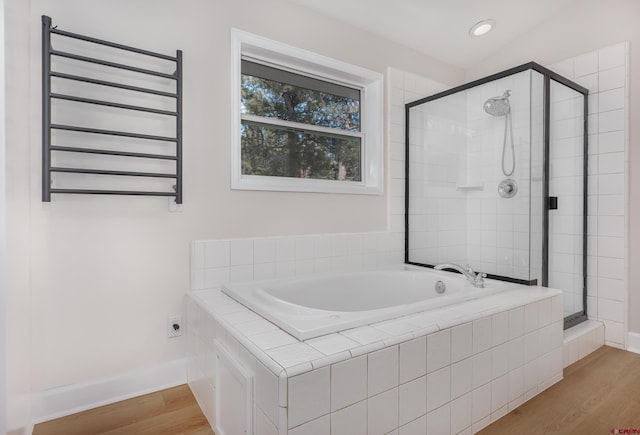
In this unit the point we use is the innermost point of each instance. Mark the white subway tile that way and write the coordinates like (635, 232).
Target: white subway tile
(285, 249)
(610, 142)
(264, 251)
(382, 412)
(332, 343)
(264, 426)
(338, 246)
(304, 248)
(366, 335)
(614, 333)
(481, 335)
(309, 396)
(499, 328)
(304, 267)
(351, 420)
(461, 413)
(611, 121)
(285, 269)
(611, 205)
(412, 400)
(612, 289)
(322, 246)
(264, 271)
(611, 247)
(439, 350)
(611, 57)
(516, 353)
(216, 277)
(216, 253)
(241, 273)
(481, 406)
(348, 382)
(438, 388)
(499, 392)
(271, 339)
(413, 359)
(416, 427)
(320, 426)
(611, 79)
(293, 354)
(267, 392)
(499, 360)
(461, 342)
(611, 184)
(382, 370)
(516, 322)
(610, 226)
(241, 252)
(439, 421)
(611, 310)
(461, 377)
(611, 100)
(586, 64)
(531, 317)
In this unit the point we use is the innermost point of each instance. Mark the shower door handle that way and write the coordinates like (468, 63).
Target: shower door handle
(553, 203)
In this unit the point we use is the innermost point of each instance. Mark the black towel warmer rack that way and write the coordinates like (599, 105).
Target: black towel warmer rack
(48, 126)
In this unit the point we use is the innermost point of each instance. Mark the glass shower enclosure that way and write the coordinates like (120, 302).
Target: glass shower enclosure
(496, 178)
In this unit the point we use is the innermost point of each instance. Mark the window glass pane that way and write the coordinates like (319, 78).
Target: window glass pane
(272, 99)
(276, 151)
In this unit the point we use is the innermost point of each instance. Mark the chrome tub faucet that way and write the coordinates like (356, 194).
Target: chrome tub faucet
(476, 279)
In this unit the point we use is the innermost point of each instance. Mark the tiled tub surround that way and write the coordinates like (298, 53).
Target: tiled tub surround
(214, 262)
(449, 371)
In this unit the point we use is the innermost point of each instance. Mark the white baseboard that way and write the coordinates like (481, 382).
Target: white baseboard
(62, 401)
(634, 342)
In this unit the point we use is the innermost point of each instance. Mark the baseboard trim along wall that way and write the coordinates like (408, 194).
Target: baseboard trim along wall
(634, 342)
(69, 399)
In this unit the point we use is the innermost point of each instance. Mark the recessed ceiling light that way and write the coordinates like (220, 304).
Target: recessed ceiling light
(482, 27)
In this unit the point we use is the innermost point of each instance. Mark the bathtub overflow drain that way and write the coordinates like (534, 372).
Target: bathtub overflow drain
(440, 287)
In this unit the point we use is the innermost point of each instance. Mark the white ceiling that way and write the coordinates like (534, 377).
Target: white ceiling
(439, 28)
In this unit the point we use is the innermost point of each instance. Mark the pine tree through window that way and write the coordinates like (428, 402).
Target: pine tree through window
(297, 126)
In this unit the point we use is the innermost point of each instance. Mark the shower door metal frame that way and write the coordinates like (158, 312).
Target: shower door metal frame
(548, 75)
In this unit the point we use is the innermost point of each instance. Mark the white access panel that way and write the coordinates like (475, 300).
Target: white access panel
(234, 394)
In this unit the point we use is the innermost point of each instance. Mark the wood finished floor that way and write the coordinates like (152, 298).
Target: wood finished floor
(598, 393)
(168, 412)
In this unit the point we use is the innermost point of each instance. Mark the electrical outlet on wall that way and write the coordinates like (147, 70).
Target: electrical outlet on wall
(174, 326)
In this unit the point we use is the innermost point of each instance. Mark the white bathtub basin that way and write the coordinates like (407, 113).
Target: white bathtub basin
(309, 307)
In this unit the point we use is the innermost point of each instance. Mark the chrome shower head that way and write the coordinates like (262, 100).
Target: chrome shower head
(498, 106)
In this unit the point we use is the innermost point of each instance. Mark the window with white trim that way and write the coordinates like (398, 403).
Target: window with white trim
(303, 122)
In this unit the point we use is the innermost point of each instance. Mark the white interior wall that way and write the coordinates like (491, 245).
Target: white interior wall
(581, 27)
(3, 239)
(93, 279)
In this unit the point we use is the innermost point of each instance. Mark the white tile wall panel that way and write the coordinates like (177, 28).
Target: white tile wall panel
(348, 382)
(309, 396)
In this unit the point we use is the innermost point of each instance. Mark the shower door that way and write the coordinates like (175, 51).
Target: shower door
(496, 179)
(567, 215)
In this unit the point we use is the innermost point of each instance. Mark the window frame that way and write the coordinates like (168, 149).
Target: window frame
(282, 56)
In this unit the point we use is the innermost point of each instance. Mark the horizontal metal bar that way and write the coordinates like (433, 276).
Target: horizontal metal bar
(111, 192)
(112, 132)
(112, 104)
(105, 172)
(112, 44)
(281, 124)
(112, 64)
(112, 84)
(111, 152)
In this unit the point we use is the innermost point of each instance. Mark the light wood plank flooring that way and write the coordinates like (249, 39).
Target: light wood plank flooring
(168, 412)
(598, 393)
